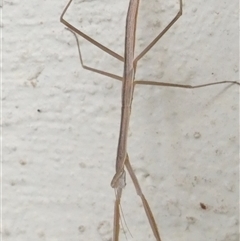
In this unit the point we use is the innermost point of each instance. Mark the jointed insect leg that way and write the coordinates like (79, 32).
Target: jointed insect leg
(143, 82)
(113, 76)
(144, 201)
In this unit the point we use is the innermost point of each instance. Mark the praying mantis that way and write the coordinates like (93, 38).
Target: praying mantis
(130, 61)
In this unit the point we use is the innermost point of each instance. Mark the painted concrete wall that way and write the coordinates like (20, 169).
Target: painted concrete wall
(61, 122)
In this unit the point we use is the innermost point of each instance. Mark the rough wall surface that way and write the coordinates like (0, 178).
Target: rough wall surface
(61, 122)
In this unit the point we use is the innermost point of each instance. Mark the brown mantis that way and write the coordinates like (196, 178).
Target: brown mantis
(128, 83)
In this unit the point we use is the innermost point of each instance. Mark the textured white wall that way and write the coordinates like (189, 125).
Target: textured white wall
(61, 122)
